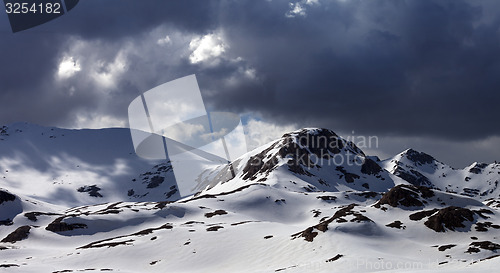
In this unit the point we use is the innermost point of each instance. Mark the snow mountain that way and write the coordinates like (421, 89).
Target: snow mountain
(479, 180)
(81, 201)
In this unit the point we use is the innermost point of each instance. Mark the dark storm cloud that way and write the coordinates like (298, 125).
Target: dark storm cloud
(385, 67)
(30, 59)
(113, 19)
(27, 72)
(402, 68)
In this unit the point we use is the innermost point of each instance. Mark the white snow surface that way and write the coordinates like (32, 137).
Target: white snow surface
(242, 225)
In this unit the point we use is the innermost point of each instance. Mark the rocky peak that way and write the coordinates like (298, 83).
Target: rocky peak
(405, 196)
(477, 168)
(419, 158)
(301, 150)
(5, 197)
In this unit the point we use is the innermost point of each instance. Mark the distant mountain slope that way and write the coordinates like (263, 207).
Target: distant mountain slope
(79, 167)
(479, 180)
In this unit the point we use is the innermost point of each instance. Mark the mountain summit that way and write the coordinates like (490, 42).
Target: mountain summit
(420, 169)
(315, 159)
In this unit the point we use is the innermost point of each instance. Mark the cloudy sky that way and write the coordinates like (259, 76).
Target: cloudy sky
(421, 74)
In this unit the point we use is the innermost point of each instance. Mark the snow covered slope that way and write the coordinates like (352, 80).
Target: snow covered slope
(79, 167)
(307, 202)
(477, 180)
